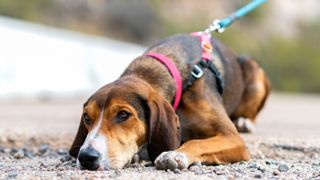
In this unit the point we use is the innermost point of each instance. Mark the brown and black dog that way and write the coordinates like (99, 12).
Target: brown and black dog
(135, 110)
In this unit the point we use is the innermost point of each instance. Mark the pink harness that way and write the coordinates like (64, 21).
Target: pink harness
(206, 46)
(174, 71)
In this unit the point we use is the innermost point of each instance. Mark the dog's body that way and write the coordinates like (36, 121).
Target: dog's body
(203, 122)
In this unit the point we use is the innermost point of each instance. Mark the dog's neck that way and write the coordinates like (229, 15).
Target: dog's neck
(154, 73)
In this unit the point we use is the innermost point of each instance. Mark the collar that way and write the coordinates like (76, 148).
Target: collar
(172, 68)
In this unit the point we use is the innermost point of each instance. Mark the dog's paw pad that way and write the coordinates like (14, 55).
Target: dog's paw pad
(245, 125)
(171, 160)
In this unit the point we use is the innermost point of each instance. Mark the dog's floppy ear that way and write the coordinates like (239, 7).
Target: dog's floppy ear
(164, 127)
(79, 139)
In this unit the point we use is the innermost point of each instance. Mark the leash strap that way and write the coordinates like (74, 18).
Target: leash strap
(220, 25)
(174, 73)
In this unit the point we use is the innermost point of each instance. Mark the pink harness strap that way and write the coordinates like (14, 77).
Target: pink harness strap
(206, 46)
(174, 73)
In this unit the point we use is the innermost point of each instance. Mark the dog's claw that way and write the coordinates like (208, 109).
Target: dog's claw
(171, 160)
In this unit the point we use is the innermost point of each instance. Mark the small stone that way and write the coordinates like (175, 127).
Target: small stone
(198, 172)
(283, 168)
(276, 172)
(43, 148)
(62, 151)
(269, 162)
(177, 171)
(261, 169)
(117, 172)
(14, 150)
(19, 154)
(66, 158)
(112, 176)
(242, 162)
(313, 155)
(10, 140)
(257, 176)
(220, 173)
(7, 150)
(1, 149)
(28, 153)
(253, 165)
(12, 174)
(193, 168)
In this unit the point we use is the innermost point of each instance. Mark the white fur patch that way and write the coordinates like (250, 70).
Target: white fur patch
(96, 140)
(171, 160)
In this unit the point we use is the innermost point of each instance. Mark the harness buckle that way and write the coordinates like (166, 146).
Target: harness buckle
(215, 26)
(197, 72)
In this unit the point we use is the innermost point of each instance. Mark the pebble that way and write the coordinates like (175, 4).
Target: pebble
(177, 171)
(257, 176)
(19, 154)
(43, 148)
(66, 158)
(7, 150)
(198, 172)
(194, 168)
(1, 149)
(269, 162)
(12, 174)
(313, 155)
(220, 173)
(28, 154)
(261, 169)
(14, 150)
(115, 174)
(276, 172)
(283, 168)
(10, 140)
(253, 165)
(62, 151)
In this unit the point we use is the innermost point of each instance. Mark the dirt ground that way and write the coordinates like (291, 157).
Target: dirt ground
(35, 136)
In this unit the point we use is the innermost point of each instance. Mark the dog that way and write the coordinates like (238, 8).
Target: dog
(218, 100)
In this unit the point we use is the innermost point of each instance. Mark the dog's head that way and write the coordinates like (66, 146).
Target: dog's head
(120, 118)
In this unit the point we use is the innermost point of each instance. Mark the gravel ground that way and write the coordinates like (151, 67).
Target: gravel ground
(284, 146)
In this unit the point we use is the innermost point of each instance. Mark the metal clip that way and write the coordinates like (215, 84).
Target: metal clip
(214, 26)
(197, 72)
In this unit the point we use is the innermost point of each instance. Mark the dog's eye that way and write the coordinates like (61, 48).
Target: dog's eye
(86, 119)
(122, 116)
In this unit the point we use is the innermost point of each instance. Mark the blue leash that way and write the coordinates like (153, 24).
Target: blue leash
(220, 25)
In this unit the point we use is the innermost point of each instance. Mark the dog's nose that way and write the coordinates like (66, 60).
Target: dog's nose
(89, 158)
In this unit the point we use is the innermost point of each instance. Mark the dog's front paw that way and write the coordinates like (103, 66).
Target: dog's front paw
(244, 125)
(171, 160)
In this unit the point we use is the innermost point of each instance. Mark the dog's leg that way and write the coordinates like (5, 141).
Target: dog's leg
(220, 149)
(214, 138)
(257, 87)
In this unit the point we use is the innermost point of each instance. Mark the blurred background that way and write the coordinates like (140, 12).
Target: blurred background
(71, 47)
(55, 53)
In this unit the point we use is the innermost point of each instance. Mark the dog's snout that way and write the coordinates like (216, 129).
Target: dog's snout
(89, 158)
